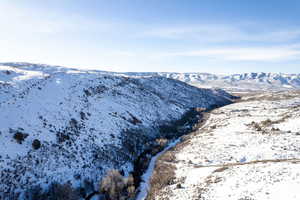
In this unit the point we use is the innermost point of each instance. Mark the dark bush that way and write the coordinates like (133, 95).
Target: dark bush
(20, 137)
(87, 92)
(73, 123)
(134, 120)
(36, 144)
(55, 191)
(62, 137)
(62, 192)
(82, 116)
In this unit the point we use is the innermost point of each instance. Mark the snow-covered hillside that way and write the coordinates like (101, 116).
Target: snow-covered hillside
(60, 124)
(249, 150)
(237, 82)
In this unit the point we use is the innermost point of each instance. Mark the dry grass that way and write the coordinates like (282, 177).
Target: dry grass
(163, 176)
(274, 96)
(221, 169)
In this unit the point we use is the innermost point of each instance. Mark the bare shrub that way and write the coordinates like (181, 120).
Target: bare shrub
(267, 122)
(275, 129)
(213, 126)
(161, 142)
(116, 187)
(255, 125)
(130, 186)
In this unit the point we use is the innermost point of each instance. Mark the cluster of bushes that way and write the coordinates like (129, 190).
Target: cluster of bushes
(56, 191)
(20, 137)
(95, 90)
(113, 186)
(183, 125)
(263, 124)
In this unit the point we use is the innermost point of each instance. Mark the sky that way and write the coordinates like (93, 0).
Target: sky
(215, 36)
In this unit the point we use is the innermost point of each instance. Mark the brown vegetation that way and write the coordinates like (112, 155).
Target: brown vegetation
(163, 175)
(116, 187)
(20, 137)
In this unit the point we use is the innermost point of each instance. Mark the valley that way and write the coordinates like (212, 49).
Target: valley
(149, 100)
(73, 134)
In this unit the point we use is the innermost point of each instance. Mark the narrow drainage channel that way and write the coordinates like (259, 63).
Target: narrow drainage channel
(145, 179)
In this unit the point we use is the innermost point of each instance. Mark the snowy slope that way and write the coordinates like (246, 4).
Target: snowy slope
(85, 121)
(237, 82)
(247, 150)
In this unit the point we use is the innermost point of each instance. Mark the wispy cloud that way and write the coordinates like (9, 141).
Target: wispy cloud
(25, 21)
(64, 37)
(274, 53)
(232, 42)
(223, 33)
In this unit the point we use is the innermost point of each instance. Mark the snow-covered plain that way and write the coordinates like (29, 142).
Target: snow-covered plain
(86, 122)
(246, 151)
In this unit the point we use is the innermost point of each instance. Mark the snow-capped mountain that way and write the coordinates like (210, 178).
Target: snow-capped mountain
(237, 82)
(67, 125)
(246, 81)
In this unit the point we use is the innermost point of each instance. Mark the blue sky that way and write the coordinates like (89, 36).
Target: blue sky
(218, 36)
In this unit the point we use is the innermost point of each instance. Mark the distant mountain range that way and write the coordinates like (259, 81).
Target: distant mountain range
(235, 82)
